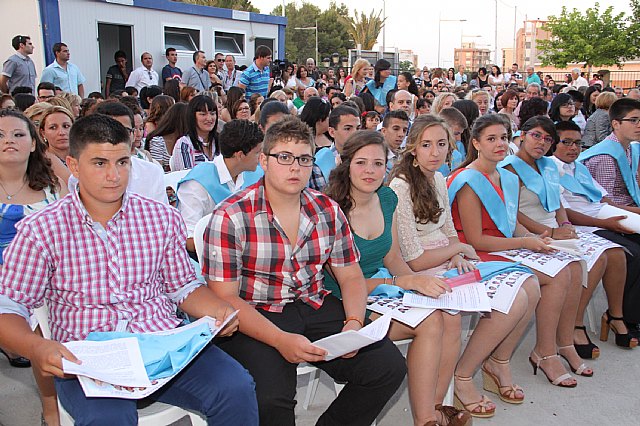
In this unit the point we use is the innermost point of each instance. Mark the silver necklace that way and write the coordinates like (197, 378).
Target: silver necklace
(10, 196)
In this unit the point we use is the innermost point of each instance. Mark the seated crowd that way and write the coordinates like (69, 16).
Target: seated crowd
(316, 190)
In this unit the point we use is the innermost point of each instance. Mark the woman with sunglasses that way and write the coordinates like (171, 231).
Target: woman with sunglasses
(541, 211)
(489, 222)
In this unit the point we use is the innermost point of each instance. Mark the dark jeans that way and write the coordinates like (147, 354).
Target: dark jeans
(372, 376)
(214, 384)
(631, 300)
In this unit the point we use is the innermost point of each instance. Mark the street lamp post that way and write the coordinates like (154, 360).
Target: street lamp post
(316, 30)
(440, 21)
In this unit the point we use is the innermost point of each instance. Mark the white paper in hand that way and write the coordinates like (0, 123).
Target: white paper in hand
(348, 341)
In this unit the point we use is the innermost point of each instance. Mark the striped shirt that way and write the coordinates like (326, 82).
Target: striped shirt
(245, 243)
(256, 81)
(134, 271)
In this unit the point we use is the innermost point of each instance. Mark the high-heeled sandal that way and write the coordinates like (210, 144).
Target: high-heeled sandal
(622, 340)
(587, 350)
(581, 369)
(452, 416)
(558, 380)
(491, 383)
(18, 362)
(478, 409)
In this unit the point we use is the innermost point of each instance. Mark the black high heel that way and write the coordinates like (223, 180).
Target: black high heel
(588, 350)
(18, 362)
(622, 340)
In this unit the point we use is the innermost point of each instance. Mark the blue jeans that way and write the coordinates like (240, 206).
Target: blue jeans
(214, 384)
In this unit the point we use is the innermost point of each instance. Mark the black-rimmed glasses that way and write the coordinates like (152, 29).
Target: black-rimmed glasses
(287, 159)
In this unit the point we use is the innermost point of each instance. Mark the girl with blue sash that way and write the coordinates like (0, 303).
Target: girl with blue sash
(357, 186)
(488, 221)
(381, 84)
(428, 242)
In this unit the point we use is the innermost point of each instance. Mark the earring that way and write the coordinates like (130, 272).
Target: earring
(415, 162)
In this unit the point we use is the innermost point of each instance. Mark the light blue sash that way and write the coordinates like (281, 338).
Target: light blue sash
(380, 93)
(503, 213)
(462, 149)
(581, 183)
(456, 159)
(326, 160)
(386, 290)
(163, 355)
(546, 184)
(249, 178)
(629, 172)
(490, 269)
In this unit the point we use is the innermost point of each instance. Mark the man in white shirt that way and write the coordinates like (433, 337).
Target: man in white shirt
(209, 183)
(513, 76)
(577, 80)
(585, 199)
(230, 76)
(144, 75)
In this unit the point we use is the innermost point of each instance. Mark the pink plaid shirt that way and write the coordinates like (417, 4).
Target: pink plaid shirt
(134, 272)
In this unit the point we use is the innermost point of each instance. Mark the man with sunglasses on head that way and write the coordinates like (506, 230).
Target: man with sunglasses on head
(144, 75)
(265, 252)
(586, 198)
(19, 70)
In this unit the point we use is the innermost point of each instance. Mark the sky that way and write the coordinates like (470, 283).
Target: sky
(413, 24)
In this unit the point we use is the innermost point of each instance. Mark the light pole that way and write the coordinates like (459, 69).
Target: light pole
(440, 21)
(316, 30)
(384, 17)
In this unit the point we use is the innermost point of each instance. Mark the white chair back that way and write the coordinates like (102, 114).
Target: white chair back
(198, 236)
(172, 178)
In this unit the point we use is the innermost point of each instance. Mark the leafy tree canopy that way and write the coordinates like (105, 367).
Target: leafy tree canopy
(244, 5)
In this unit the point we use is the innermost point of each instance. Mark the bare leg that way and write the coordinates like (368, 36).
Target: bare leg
(48, 395)
(613, 282)
(423, 361)
(450, 352)
(553, 293)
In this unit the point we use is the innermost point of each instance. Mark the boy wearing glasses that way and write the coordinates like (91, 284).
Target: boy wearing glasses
(265, 251)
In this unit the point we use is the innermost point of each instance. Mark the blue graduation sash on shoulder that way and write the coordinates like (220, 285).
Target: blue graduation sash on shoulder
(380, 93)
(629, 172)
(462, 149)
(546, 184)
(581, 183)
(249, 178)
(326, 160)
(206, 174)
(456, 159)
(503, 213)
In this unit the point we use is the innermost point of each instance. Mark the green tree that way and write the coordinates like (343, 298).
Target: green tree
(593, 37)
(332, 33)
(405, 66)
(244, 5)
(364, 29)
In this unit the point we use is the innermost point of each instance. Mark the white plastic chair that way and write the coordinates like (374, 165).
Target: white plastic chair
(198, 235)
(155, 414)
(172, 178)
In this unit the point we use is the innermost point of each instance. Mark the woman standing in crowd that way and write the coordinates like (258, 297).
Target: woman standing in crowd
(510, 102)
(406, 82)
(240, 110)
(357, 186)
(28, 184)
(316, 115)
(562, 108)
(599, 125)
(304, 80)
(489, 223)
(450, 79)
(483, 78)
(482, 100)
(171, 127)
(55, 124)
(212, 69)
(381, 84)
(355, 82)
(254, 103)
(159, 106)
(200, 144)
(233, 95)
(342, 76)
(442, 101)
(496, 78)
(590, 96)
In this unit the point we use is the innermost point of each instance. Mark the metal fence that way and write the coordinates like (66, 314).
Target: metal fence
(625, 79)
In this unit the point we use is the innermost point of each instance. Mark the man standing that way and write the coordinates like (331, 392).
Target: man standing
(532, 77)
(197, 76)
(230, 75)
(257, 78)
(461, 77)
(118, 74)
(577, 80)
(513, 76)
(139, 294)
(19, 70)
(265, 251)
(312, 71)
(63, 73)
(144, 75)
(171, 71)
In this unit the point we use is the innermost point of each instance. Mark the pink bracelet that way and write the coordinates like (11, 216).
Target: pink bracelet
(565, 223)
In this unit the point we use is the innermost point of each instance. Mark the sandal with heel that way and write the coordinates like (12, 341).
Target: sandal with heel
(491, 383)
(581, 369)
(558, 380)
(623, 340)
(588, 350)
(480, 409)
(452, 416)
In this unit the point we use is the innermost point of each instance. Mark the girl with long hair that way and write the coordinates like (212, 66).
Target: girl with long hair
(200, 144)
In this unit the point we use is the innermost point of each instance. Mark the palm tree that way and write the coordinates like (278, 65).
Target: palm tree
(364, 29)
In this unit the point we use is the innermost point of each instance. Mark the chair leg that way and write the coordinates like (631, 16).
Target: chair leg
(312, 387)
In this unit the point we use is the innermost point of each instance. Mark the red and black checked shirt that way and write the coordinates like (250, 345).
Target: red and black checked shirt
(135, 270)
(245, 243)
(604, 169)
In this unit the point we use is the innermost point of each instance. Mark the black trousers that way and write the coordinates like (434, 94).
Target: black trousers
(631, 300)
(372, 376)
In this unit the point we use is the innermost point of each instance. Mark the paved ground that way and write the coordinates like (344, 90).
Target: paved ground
(611, 397)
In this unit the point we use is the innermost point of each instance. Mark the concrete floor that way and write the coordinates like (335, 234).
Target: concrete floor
(611, 397)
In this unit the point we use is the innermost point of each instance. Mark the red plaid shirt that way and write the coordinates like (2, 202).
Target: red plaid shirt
(244, 242)
(135, 270)
(604, 170)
